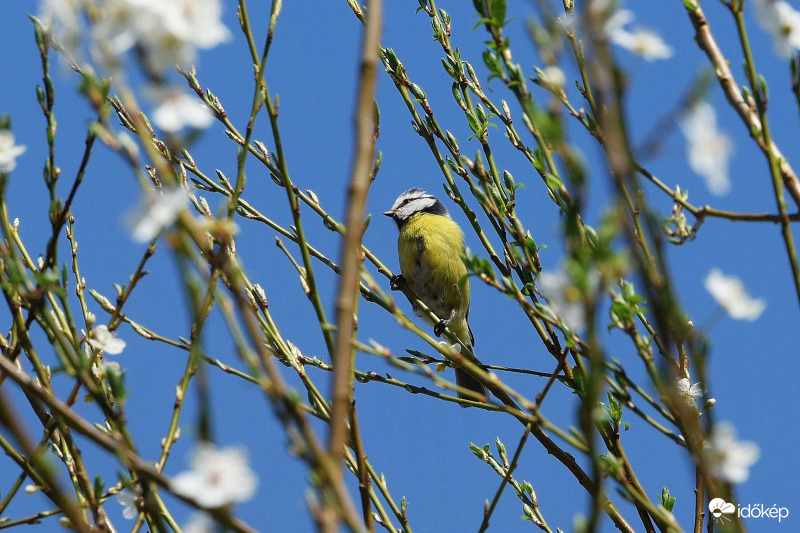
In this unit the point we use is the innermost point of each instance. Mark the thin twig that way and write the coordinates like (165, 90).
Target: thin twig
(360, 178)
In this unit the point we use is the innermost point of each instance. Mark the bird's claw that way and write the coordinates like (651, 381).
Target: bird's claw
(438, 329)
(395, 282)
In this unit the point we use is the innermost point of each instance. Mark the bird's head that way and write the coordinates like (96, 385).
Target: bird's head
(415, 201)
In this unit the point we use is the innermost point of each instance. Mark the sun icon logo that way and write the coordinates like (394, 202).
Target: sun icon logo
(719, 508)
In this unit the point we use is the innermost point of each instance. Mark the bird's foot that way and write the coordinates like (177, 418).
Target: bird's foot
(396, 281)
(438, 329)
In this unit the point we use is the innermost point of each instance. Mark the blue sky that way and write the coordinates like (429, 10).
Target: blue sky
(421, 445)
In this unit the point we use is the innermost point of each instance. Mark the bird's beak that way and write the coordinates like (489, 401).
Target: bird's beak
(389, 213)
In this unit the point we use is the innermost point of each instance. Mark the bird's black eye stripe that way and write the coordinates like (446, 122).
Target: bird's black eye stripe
(413, 198)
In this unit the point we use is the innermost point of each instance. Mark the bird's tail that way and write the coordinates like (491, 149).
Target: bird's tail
(464, 380)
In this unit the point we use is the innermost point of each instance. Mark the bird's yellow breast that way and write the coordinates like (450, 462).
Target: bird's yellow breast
(430, 248)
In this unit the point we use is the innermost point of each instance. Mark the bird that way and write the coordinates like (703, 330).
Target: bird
(430, 246)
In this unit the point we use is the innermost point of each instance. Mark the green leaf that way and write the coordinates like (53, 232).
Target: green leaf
(99, 487)
(515, 74)
(553, 181)
(501, 448)
(667, 501)
(457, 95)
(480, 112)
(474, 125)
(530, 244)
(481, 22)
(47, 279)
(449, 68)
(614, 409)
(481, 453)
(528, 289)
(508, 179)
(620, 310)
(391, 59)
(508, 284)
(528, 510)
(116, 381)
(763, 88)
(527, 488)
(102, 300)
(549, 125)
(611, 464)
(497, 200)
(452, 140)
(498, 9)
(493, 63)
(452, 164)
(417, 91)
(438, 30)
(578, 381)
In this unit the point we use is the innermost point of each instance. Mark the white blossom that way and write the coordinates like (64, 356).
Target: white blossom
(455, 347)
(783, 22)
(199, 523)
(730, 293)
(177, 109)
(167, 32)
(102, 369)
(564, 298)
(128, 146)
(613, 25)
(156, 212)
(554, 76)
(9, 152)
(183, 27)
(708, 149)
(194, 22)
(690, 392)
(62, 18)
(127, 500)
(103, 339)
(441, 367)
(217, 477)
(642, 41)
(118, 27)
(729, 459)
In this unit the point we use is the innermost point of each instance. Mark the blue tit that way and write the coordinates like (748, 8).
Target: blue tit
(430, 247)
